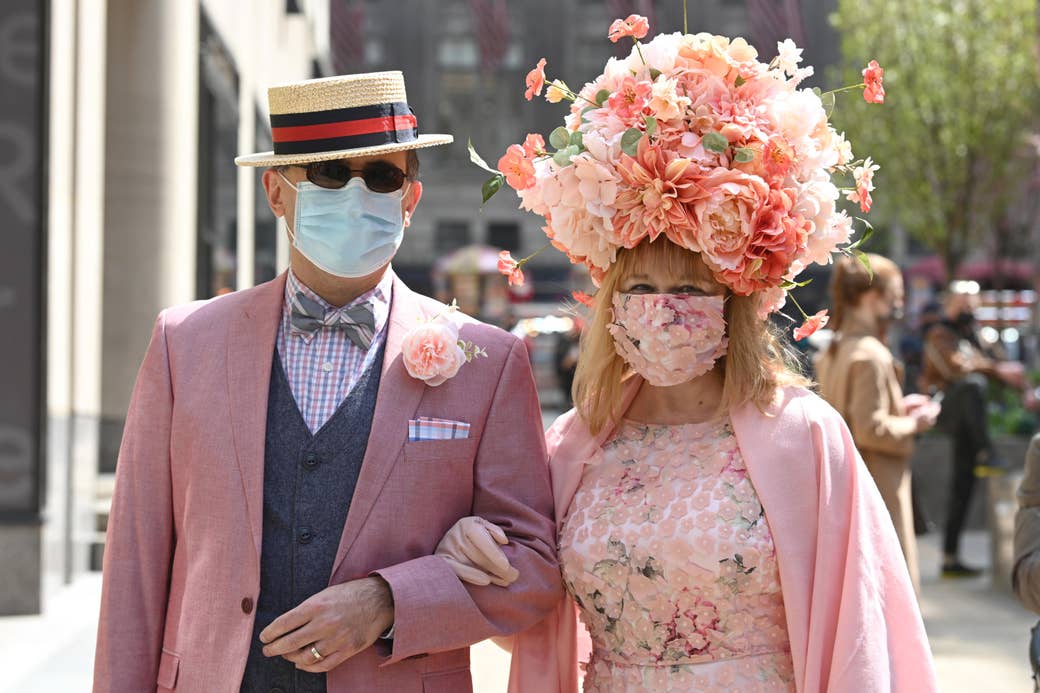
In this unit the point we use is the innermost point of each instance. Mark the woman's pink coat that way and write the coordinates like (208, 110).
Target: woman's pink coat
(852, 618)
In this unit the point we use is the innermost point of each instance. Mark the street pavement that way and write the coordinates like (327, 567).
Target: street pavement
(979, 635)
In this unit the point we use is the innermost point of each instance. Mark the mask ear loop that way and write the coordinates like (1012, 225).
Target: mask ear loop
(285, 220)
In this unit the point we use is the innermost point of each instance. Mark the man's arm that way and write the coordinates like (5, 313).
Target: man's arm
(1026, 574)
(140, 539)
(433, 609)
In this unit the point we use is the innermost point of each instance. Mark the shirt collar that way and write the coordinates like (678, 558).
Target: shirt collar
(378, 296)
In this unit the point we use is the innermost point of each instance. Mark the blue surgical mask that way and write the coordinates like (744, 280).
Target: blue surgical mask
(348, 232)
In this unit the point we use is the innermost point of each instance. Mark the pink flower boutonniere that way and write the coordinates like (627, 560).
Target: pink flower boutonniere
(433, 352)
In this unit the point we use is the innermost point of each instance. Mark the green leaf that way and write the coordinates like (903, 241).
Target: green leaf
(588, 108)
(788, 284)
(576, 137)
(491, 186)
(476, 158)
(654, 74)
(560, 137)
(563, 157)
(630, 141)
(828, 102)
(601, 96)
(739, 81)
(651, 125)
(865, 261)
(745, 155)
(715, 142)
(865, 237)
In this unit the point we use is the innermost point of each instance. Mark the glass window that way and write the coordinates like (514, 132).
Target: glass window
(504, 235)
(450, 235)
(457, 52)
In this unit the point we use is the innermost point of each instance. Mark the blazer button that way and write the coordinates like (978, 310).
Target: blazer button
(310, 461)
(247, 606)
(305, 536)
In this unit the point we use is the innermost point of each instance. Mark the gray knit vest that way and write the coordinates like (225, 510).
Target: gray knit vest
(309, 482)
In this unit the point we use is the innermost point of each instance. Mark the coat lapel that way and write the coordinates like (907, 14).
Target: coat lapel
(396, 403)
(251, 342)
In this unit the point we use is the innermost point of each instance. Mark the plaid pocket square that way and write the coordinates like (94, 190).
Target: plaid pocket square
(428, 428)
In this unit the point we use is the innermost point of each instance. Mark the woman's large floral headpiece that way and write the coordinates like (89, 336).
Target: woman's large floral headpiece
(691, 137)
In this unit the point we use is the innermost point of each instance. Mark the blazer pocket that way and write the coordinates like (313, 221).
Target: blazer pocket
(454, 681)
(169, 665)
(423, 451)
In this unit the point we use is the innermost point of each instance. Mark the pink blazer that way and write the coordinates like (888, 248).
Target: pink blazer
(181, 568)
(852, 618)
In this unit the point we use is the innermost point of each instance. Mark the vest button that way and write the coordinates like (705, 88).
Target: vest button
(247, 606)
(310, 460)
(306, 535)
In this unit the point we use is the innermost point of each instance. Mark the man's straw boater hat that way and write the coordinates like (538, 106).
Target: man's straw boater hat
(340, 117)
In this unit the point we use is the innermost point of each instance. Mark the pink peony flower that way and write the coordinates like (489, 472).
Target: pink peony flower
(534, 146)
(873, 76)
(517, 168)
(535, 80)
(431, 352)
(630, 99)
(724, 218)
(634, 25)
(510, 268)
(810, 325)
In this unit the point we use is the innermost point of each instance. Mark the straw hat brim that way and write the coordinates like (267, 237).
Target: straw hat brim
(272, 159)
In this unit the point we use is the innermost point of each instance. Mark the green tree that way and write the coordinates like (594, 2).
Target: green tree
(953, 137)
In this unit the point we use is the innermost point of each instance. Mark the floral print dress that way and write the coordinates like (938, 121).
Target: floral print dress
(669, 556)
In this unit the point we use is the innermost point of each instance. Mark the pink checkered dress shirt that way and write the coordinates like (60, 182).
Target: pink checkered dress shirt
(323, 368)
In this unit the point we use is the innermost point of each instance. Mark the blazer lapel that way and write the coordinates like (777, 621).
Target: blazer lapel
(250, 352)
(396, 403)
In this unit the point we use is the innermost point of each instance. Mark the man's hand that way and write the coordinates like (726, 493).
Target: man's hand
(339, 622)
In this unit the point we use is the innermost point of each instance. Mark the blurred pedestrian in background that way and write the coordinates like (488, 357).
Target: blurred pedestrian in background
(959, 365)
(1025, 576)
(566, 360)
(860, 378)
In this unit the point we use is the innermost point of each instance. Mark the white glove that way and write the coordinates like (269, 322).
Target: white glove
(471, 549)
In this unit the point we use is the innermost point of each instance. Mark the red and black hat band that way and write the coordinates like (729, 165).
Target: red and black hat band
(343, 128)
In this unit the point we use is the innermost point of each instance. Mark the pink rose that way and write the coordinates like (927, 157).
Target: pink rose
(873, 80)
(431, 353)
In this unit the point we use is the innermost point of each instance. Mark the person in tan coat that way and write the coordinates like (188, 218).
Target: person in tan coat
(860, 378)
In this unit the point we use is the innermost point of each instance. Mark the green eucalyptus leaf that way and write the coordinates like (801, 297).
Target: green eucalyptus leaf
(654, 74)
(739, 81)
(560, 137)
(651, 125)
(491, 186)
(601, 96)
(477, 159)
(576, 138)
(630, 141)
(563, 156)
(745, 155)
(715, 142)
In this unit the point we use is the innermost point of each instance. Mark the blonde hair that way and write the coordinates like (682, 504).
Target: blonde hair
(755, 364)
(851, 281)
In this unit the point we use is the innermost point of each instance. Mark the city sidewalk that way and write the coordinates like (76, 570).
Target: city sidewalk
(979, 636)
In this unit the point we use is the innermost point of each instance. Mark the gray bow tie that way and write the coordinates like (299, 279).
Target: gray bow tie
(357, 322)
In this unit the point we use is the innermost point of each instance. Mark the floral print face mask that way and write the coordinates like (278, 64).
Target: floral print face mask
(669, 339)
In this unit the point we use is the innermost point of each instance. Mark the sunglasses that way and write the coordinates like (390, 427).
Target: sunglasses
(379, 176)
